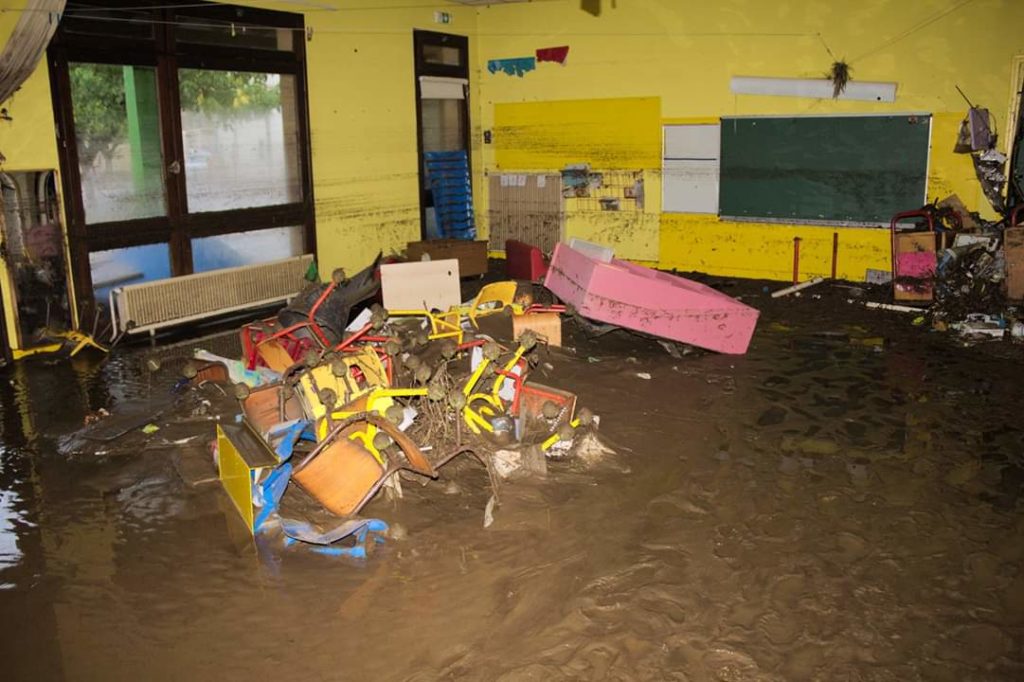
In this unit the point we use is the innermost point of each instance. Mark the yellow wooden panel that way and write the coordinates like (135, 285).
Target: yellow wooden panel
(235, 476)
(951, 173)
(622, 133)
(765, 250)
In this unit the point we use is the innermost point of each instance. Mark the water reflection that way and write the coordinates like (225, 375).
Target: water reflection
(10, 519)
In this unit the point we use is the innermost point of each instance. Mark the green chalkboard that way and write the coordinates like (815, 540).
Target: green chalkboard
(834, 168)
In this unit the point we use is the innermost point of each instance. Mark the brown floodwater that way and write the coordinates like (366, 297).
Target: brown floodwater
(822, 508)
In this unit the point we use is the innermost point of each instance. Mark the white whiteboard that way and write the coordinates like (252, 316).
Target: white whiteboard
(690, 168)
(693, 141)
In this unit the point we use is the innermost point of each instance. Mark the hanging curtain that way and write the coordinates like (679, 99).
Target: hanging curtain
(27, 43)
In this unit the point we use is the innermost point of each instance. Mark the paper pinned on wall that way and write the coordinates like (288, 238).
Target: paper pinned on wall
(517, 66)
(553, 54)
(504, 180)
(542, 181)
(520, 181)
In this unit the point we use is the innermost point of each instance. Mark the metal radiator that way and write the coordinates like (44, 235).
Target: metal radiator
(150, 306)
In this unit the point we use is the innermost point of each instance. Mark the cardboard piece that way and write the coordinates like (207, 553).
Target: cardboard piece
(547, 326)
(966, 219)
(472, 255)
(1013, 251)
(425, 285)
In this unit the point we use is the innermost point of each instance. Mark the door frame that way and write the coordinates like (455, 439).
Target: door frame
(423, 68)
(1014, 124)
(177, 227)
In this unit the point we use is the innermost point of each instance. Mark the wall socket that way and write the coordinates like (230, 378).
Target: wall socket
(442, 18)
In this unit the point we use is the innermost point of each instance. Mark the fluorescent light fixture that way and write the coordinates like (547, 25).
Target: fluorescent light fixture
(815, 88)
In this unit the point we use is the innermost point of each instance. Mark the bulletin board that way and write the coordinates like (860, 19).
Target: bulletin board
(526, 207)
(857, 169)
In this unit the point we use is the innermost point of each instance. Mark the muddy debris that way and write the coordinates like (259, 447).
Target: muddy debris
(318, 418)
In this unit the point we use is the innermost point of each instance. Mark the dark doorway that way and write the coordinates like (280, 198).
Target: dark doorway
(442, 114)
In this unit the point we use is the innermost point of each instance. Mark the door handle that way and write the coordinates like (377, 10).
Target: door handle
(174, 168)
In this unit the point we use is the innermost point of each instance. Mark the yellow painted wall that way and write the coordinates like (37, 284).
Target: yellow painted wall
(616, 137)
(362, 110)
(685, 54)
(675, 56)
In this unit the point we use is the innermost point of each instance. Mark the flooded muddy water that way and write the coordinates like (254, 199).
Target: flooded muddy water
(841, 503)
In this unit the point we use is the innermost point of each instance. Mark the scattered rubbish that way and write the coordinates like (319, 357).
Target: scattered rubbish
(890, 307)
(644, 375)
(514, 463)
(112, 426)
(590, 450)
(93, 417)
(980, 324)
(870, 342)
(797, 287)
(878, 276)
(364, 532)
(645, 300)
(963, 268)
(674, 349)
(323, 414)
(489, 511)
(237, 371)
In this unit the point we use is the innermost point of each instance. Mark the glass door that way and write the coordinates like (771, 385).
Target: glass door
(184, 139)
(122, 175)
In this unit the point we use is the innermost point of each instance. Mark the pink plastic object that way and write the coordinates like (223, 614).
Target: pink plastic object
(524, 261)
(649, 301)
(917, 265)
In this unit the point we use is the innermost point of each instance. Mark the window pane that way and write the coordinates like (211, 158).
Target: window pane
(441, 54)
(246, 248)
(218, 32)
(130, 265)
(241, 139)
(117, 128)
(442, 125)
(106, 21)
